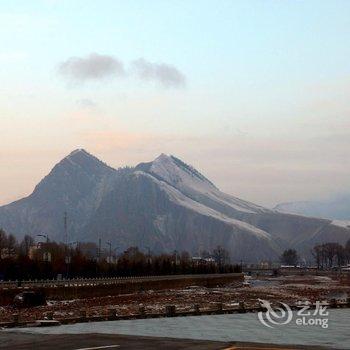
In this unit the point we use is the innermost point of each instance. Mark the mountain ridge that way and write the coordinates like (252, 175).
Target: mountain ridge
(335, 208)
(164, 204)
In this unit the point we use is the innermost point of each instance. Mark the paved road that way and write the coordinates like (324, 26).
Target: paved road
(27, 341)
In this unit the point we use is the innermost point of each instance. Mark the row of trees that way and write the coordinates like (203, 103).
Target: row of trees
(9, 245)
(330, 255)
(326, 255)
(46, 260)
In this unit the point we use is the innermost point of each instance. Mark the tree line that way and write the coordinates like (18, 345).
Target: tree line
(325, 255)
(331, 254)
(28, 260)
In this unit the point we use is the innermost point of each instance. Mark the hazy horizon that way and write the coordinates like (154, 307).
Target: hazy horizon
(252, 94)
(329, 197)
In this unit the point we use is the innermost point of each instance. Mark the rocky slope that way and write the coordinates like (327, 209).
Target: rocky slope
(75, 185)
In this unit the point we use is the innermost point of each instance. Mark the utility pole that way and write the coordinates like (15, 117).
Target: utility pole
(175, 252)
(65, 228)
(110, 252)
(148, 255)
(66, 248)
(98, 258)
(99, 250)
(115, 254)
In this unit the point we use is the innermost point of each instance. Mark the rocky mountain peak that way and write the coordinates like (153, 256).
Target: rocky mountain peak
(77, 170)
(80, 152)
(174, 171)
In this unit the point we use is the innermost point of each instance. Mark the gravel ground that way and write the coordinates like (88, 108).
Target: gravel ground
(289, 289)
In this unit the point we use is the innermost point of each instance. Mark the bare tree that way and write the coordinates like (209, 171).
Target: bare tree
(26, 244)
(11, 245)
(221, 256)
(347, 251)
(3, 241)
(317, 254)
(329, 254)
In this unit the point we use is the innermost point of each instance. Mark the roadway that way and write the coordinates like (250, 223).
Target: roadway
(29, 341)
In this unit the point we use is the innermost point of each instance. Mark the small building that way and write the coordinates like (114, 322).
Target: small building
(7, 253)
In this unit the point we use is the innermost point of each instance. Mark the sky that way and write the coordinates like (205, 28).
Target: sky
(254, 94)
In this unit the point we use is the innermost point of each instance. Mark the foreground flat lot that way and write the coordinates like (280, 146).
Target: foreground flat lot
(25, 341)
(288, 289)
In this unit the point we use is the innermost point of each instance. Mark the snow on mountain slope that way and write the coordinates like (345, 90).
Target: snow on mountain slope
(179, 198)
(189, 181)
(286, 230)
(166, 201)
(334, 208)
(341, 223)
(145, 211)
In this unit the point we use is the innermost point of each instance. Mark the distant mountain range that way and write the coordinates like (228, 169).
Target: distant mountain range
(337, 208)
(162, 205)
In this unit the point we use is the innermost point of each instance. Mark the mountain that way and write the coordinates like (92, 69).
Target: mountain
(145, 209)
(75, 185)
(164, 205)
(337, 208)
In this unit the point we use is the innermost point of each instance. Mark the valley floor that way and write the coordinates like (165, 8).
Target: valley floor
(288, 289)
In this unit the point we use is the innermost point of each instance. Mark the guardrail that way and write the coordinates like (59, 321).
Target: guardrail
(78, 282)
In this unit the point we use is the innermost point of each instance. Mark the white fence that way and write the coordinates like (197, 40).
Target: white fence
(77, 282)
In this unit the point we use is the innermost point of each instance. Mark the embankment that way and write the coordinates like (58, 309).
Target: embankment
(85, 288)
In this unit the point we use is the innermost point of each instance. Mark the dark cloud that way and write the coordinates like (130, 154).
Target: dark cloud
(165, 74)
(86, 103)
(92, 67)
(96, 67)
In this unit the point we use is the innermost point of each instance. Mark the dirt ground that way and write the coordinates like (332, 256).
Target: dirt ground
(288, 289)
